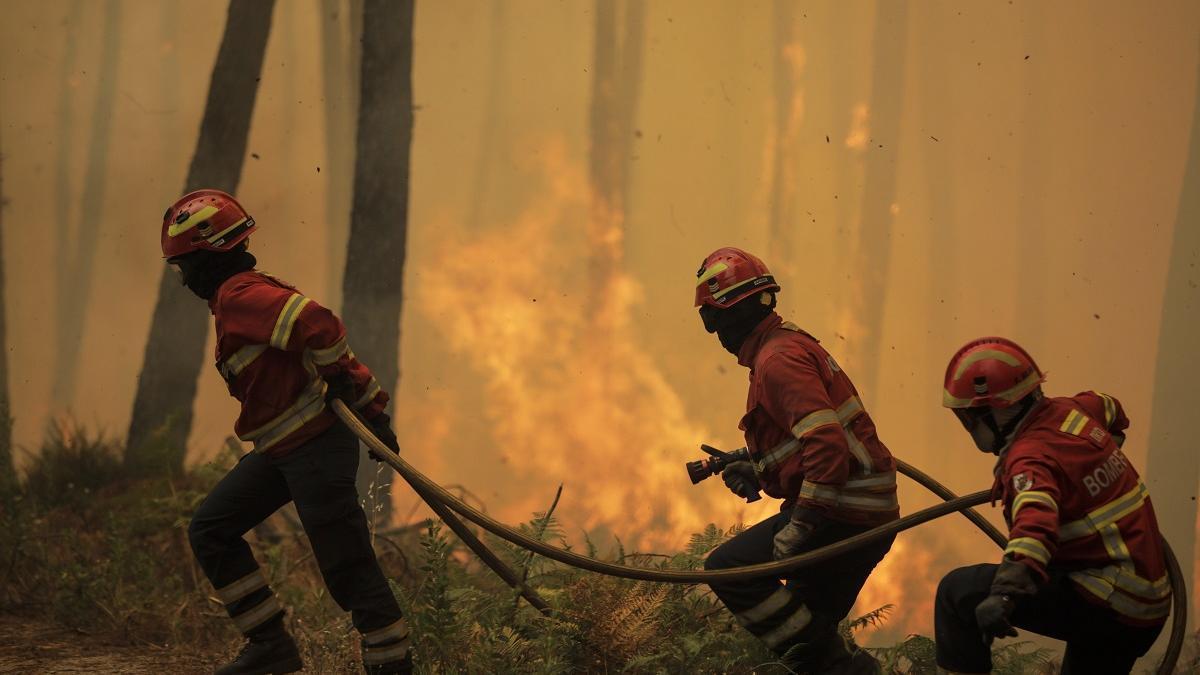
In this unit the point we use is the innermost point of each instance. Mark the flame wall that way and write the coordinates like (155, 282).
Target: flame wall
(1013, 167)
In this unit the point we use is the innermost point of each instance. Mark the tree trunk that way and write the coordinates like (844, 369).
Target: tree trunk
(338, 70)
(64, 194)
(8, 473)
(780, 241)
(879, 190)
(75, 284)
(616, 75)
(1173, 467)
(166, 391)
(497, 67)
(374, 278)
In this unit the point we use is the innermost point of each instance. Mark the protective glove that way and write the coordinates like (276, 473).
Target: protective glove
(992, 616)
(791, 539)
(340, 386)
(381, 426)
(1013, 580)
(740, 478)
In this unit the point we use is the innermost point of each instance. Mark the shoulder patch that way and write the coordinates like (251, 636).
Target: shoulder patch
(1022, 482)
(1074, 423)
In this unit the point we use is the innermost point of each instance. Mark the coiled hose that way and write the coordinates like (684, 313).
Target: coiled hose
(439, 499)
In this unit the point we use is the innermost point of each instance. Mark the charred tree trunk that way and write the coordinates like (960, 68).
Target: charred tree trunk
(497, 67)
(166, 391)
(374, 279)
(616, 76)
(879, 190)
(8, 473)
(1173, 467)
(780, 239)
(338, 63)
(74, 285)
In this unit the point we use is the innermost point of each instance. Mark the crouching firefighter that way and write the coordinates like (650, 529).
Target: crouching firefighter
(1084, 561)
(283, 357)
(811, 444)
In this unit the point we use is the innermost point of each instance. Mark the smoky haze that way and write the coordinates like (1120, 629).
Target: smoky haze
(916, 175)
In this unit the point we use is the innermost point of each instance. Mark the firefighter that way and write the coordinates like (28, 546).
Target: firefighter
(283, 357)
(1084, 561)
(813, 446)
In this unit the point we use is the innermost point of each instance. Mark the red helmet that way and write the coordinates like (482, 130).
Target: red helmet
(208, 220)
(990, 371)
(729, 275)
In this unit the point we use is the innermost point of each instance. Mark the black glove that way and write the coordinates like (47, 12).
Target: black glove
(992, 616)
(1013, 580)
(791, 539)
(340, 386)
(740, 478)
(381, 426)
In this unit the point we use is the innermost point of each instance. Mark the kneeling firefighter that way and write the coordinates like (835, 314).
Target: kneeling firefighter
(812, 444)
(283, 356)
(1084, 561)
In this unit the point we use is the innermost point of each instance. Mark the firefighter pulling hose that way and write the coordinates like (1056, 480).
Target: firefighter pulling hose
(810, 442)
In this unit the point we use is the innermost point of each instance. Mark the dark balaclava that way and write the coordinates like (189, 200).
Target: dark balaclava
(994, 429)
(203, 271)
(734, 324)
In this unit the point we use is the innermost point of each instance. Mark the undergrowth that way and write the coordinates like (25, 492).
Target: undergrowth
(89, 548)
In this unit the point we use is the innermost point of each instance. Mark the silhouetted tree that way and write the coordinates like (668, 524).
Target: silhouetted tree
(374, 278)
(166, 388)
(8, 475)
(1173, 468)
(340, 23)
(879, 190)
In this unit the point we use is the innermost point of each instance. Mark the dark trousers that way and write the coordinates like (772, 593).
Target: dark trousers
(1097, 643)
(319, 477)
(805, 613)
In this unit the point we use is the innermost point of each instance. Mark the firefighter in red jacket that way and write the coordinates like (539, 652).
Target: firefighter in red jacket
(283, 357)
(814, 446)
(1084, 561)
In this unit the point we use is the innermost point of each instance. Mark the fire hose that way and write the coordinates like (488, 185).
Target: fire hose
(443, 502)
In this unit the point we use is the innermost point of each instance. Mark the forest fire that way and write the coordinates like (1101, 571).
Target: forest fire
(569, 394)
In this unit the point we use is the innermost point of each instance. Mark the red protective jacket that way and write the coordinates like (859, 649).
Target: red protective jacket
(813, 443)
(274, 347)
(1074, 502)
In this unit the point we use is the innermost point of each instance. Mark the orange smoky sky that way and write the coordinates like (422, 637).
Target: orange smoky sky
(1024, 162)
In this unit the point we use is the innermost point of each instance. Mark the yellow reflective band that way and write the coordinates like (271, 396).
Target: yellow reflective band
(1114, 543)
(983, 354)
(238, 361)
(776, 455)
(1022, 388)
(849, 409)
(394, 631)
(287, 320)
(373, 390)
(858, 450)
(217, 237)
(248, 620)
(374, 656)
(1032, 497)
(193, 220)
(951, 401)
(1029, 547)
(739, 284)
(1107, 514)
(241, 588)
(1102, 583)
(330, 354)
(813, 421)
(765, 609)
(887, 478)
(1110, 410)
(1074, 423)
(788, 629)
(1070, 420)
(865, 503)
(819, 493)
(712, 272)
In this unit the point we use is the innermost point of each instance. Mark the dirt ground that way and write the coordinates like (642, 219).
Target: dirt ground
(30, 646)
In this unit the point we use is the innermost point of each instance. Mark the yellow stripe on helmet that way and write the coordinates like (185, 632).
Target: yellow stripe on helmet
(193, 220)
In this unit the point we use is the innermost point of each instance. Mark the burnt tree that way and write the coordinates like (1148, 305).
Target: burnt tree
(8, 474)
(166, 389)
(372, 289)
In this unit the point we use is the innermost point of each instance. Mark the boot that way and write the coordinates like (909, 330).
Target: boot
(267, 652)
(401, 667)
